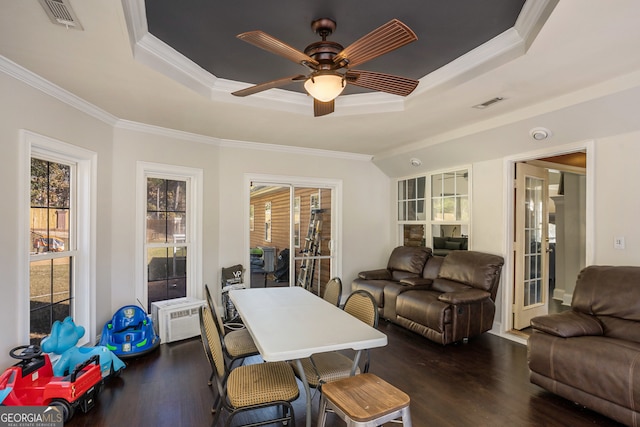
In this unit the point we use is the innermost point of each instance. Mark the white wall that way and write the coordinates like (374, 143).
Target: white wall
(617, 203)
(22, 107)
(368, 231)
(365, 196)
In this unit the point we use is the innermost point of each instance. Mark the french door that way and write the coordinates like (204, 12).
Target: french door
(531, 245)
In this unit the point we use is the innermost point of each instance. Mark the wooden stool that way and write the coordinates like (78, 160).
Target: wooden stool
(364, 400)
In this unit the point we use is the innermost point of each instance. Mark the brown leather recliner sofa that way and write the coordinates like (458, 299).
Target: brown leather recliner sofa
(445, 299)
(591, 354)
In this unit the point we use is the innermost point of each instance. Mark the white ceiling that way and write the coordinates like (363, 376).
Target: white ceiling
(583, 43)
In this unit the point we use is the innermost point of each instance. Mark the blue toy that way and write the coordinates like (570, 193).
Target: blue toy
(62, 341)
(130, 333)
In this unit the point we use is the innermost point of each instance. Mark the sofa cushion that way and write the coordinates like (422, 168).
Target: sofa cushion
(607, 291)
(476, 269)
(596, 365)
(408, 259)
(615, 327)
(432, 267)
(470, 296)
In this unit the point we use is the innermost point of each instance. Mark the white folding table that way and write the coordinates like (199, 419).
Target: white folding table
(290, 323)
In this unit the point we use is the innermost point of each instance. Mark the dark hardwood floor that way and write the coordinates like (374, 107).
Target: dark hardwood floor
(482, 383)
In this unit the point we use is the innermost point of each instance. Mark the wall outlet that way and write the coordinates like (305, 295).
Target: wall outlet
(618, 242)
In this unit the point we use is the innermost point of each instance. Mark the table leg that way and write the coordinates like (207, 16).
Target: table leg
(307, 390)
(356, 360)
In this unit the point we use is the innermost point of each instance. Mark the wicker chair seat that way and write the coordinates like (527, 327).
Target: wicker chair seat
(239, 343)
(326, 367)
(261, 383)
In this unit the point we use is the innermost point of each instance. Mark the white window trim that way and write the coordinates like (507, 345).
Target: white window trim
(85, 201)
(194, 178)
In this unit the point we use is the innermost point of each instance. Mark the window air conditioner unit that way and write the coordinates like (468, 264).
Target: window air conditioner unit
(177, 319)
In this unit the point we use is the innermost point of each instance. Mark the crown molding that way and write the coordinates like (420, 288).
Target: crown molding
(533, 16)
(30, 78)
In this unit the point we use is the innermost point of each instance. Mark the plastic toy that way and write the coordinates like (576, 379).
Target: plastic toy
(130, 333)
(31, 382)
(63, 340)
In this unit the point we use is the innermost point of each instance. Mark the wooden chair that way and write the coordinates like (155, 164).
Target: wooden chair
(333, 291)
(323, 368)
(249, 387)
(236, 344)
(364, 400)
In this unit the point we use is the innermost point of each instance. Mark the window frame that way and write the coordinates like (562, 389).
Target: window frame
(82, 233)
(428, 222)
(194, 179)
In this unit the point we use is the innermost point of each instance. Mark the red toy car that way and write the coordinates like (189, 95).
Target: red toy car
(31, 382)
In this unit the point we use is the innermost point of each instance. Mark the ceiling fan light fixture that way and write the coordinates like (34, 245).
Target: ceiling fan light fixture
(325, 87)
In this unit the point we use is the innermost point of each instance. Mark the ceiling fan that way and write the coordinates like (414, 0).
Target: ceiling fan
(331, 65)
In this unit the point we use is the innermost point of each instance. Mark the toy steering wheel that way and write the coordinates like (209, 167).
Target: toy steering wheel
(25, 352)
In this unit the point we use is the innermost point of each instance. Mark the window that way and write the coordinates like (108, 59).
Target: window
(448, 194)
(450, 210)
(166, 239)
(50, 269)
(252, 218)
(59, 199)
(170, 221)
(411, 197)
(411, 210)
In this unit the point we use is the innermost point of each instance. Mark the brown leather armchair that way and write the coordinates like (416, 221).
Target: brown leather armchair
(590, 354)
(451, 300)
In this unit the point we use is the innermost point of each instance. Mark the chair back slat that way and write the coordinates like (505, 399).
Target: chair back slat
(333, 291)
(211, 342)
(216, 316)
(362, 305)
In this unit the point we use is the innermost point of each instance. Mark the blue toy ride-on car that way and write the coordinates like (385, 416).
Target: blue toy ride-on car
(130, 333)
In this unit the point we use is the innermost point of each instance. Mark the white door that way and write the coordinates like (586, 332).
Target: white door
(531, 245)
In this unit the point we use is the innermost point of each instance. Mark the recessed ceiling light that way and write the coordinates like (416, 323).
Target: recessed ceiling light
(415, 162)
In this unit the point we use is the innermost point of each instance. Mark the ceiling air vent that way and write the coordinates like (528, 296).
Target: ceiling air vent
(60, 13)
(488, 103)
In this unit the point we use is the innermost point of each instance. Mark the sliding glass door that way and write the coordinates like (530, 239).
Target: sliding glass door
(291, 228)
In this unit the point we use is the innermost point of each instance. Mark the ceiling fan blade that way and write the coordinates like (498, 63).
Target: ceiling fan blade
(390, 36)
(271, 44)
(269, 85)
(323, 108)
(396, 85)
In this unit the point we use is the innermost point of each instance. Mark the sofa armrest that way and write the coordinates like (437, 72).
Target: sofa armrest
(417, 281)
(465, 297)
(568, 324)
(380, 274)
